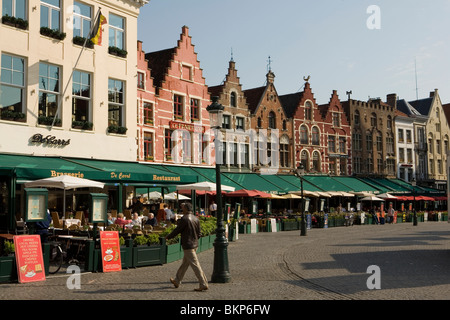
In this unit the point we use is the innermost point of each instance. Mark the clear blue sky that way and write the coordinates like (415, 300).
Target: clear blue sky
(326, 39)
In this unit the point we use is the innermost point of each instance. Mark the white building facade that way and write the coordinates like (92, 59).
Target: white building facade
(55, 101)
(406, 160)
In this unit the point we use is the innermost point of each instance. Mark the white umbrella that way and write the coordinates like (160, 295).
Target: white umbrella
(205, 186)
(153, 195)
(371, 198)
(386, 196)
(65, 182)
(173, 196)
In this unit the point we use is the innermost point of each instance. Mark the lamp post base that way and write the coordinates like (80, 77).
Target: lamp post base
(221, 273)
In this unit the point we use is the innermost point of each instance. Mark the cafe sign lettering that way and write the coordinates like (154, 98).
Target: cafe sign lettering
(191, 127)
(49, 140)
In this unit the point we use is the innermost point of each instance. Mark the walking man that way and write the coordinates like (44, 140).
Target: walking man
(189, 228)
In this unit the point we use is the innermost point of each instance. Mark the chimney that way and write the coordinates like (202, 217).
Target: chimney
(433, 93)
(392, 100)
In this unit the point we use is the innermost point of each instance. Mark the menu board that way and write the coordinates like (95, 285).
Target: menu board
(110, 248)
(29, 259)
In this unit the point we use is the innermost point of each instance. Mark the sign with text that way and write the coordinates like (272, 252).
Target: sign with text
(110, 248)
(29, 259)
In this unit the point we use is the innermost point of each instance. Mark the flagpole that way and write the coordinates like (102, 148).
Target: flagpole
(73, 69)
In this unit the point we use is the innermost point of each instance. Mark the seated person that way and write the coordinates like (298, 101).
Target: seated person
(42, 227)
(151, 220)
(110, 219)
(121, 220)
(136, 221)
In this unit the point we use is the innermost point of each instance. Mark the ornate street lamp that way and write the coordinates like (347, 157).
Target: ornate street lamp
(300, 172)
(413, 184)
(221, 272)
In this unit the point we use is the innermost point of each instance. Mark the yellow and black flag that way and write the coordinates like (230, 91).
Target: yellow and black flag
(96, 34)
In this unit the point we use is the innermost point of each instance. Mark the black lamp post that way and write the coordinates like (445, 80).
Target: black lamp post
(221, 272)
(300, 173)
(413, 184)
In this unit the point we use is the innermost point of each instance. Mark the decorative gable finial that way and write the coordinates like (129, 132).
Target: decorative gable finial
(307, 78)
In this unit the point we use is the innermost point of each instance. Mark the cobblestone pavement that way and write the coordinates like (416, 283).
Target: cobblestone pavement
(327, 264)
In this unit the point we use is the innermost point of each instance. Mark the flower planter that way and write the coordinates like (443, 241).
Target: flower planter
(8, 269)
(149, 255)
(174, 252)
(290, 225)
(212, 238)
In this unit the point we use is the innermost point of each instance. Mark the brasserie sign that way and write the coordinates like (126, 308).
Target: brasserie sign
(49, 139)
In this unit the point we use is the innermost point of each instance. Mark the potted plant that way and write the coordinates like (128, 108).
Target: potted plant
(113, 128)
(122, 130)
(8, 20)
(77, 124)
(81, 40)
(87, 125)
(115, 51)
(21, 23)
(55, 34)
(9, 248)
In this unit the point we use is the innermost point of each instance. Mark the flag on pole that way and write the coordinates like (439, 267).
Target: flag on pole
(96, 34)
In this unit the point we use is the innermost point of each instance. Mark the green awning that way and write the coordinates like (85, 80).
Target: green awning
(253, 181)
(389, 184)
(296, 182)
(283, 185)
(28, 168)
(356, 185)
(210, 175)
(382, 188)
(327, 183)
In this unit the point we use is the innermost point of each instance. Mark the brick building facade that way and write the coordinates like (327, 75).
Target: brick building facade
(172, 126)
(273, 150)
(237, 120)
(373, 137)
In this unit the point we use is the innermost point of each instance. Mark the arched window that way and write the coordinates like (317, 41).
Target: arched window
(284, 125)
(284, 151)
(315, 136)
(316, 161)
(233, 100)
(303, 135)
(272, 122)
(305, 160)
(259, 122)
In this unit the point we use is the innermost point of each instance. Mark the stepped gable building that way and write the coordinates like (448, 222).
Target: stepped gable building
(309, 134)
(273, 129)
(373, 137)
(437, 139)
(180, 120)
(236, 153)
(338, 133)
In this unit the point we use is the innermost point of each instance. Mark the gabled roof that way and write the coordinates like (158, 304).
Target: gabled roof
(290, 103)
(422, 105)
(253, 97)
(158, 62)
(446, 108)
(406, 108)
(215, 90)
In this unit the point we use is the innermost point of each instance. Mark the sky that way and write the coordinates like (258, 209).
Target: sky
(372, 48)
